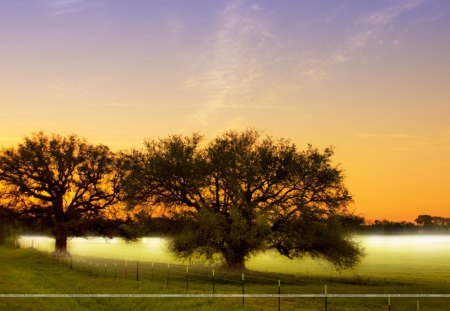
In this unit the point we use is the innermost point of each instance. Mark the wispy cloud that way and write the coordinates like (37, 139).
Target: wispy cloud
(373, 25)
(64, 7)
(125, 105)
(313, 70)
(230, 73)
(174, 26)
(385, 135)
(242, 106)
(256, 7)
(359, 40)
(370, 29)
(387, 15)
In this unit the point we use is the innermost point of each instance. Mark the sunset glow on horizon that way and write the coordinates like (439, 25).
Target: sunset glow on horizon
(370, 78)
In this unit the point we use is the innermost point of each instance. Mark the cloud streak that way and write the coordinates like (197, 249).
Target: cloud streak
(371, 27)
(174, 26)
(385, 135)
(124, 105)
(65, 7)
(245, 106)
(232, 74)
(374, 22)
(385, 16)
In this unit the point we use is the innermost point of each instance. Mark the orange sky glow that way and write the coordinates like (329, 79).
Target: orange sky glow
(370, 78)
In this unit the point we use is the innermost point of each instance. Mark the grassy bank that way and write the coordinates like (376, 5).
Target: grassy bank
(28, 271)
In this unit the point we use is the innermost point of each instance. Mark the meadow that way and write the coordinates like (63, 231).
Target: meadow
(406, 258)
(31, 271)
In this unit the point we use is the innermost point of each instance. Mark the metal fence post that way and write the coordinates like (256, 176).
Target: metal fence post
(213, 279)
(326, 300)
(187, 278)
(97, 271)
(152, 273)
(137, 270)
(279, 293)
(389, 302)
(168, 274)
(115, 271)
(126, 269)
(243, 290)
(105, 271)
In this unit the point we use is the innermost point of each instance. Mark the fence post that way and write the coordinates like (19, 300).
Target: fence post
(168, 274)
(213, 279)
(326, 300)
(71, 263)
(105, 271)
(115, 271)
(279, 293)
(243, 285)
(418, 306)
(126, 269)
(187, 278)
(137, 270)
(389, 302)
(97, 271)
(152, 273)
(90, 268)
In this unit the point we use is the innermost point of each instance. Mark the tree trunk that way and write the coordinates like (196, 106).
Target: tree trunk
(60, 229)
(61, 243)
(235, 260)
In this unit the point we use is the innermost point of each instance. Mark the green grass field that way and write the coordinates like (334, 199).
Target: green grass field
(29, 271)
(405, 258)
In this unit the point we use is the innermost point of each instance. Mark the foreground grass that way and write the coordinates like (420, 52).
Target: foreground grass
(28, 271)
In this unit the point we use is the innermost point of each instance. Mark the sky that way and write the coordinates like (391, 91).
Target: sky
(371, 78)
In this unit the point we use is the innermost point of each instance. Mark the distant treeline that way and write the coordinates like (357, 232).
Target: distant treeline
(162, 226)
(422, 224)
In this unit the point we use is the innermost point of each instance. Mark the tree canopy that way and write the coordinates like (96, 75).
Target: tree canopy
(432, 222)
(63, 183)
(241, 194)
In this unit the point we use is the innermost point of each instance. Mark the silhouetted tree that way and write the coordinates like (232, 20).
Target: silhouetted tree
(242, 194)
(62, 183)
(352, 222)
(425, 221)
(390, 227)
(434, 223)
(441, 222)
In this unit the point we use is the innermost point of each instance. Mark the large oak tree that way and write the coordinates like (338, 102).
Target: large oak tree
(241, 194)
(64, 184)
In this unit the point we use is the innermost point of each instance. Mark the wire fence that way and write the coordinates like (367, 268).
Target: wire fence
(206, 281)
